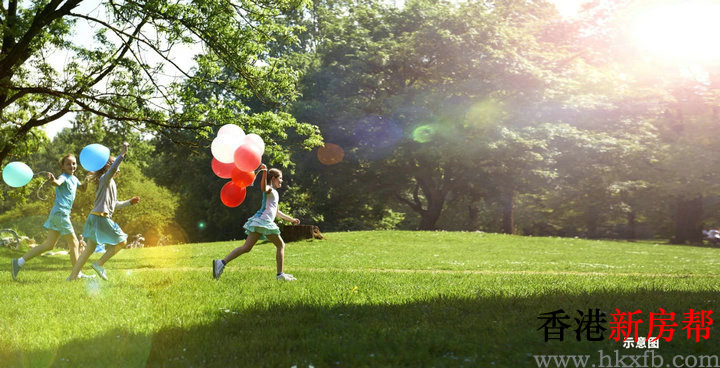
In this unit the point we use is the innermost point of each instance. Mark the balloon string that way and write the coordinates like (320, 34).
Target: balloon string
(252, 183)
(39, 190)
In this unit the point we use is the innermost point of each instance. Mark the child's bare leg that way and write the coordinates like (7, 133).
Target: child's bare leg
(280, 251)
(48, 244)
(84, 256)
(110, 252)
(73, 244)
(249, 244)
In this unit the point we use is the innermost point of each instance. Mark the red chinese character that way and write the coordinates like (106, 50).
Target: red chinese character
(659, 320)
(699, 322)
(622, 328)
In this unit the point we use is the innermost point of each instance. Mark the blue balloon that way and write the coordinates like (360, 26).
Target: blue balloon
(16, 174)
(94, 156)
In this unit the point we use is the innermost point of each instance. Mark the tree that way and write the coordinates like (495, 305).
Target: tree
(678, 98)
(187, 171)
(417, 96)
(113, 75)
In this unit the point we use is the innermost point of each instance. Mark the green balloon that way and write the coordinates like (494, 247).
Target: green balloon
(16, 174)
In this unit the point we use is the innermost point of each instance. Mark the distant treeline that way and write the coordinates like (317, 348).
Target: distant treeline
(498, 117)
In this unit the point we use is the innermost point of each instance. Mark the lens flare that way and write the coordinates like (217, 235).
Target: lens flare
(330, 154)
(424, 133)
(485, 113)
(376, 136)
(93, 288)
(168, 234)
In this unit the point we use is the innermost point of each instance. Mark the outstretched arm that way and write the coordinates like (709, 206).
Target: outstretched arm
(133, 200)
(263, 184)
(288, 218)
(114, 168)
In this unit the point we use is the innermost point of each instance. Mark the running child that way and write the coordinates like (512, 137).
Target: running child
(262, 224)
(58, 222)
(99, 227)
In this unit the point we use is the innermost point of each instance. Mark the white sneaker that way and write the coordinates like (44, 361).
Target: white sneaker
(285, 277)
(218, 268)
(84, 276)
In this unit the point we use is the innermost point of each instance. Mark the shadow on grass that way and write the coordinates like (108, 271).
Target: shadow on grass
(472, 331)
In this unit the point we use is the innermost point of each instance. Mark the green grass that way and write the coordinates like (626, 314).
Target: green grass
(362, 299)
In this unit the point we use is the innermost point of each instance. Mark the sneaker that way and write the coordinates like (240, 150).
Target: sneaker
(285, 277)
(15, 268)
(218, 268)
(100, 271)
(84, 276)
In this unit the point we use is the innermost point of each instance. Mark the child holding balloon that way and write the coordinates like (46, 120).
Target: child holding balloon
(262, 224)
(58, 222)
(99, 227)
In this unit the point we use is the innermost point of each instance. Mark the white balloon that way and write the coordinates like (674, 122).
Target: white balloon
(256, 140)
(223, 148)
(231, 130)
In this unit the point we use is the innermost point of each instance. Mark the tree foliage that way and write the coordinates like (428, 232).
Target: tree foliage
(116, 59)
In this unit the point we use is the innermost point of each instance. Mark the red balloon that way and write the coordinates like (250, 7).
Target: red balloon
(242, 178)
(221, 169)
(247, 157)
(232, 195)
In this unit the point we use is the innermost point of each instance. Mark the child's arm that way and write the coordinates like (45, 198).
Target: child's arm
(114, 168)
(288, 218)
(83, 186)
(56, 182)
(263, 184)
(133, 200)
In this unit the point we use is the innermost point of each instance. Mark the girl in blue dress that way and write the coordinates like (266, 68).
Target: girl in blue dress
(99, 227)
(262, 224)
(58, 223)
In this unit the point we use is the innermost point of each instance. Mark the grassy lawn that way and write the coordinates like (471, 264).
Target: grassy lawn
(362, 299)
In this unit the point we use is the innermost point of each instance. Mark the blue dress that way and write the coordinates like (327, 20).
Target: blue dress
(102, 229)
(263, 221)
(59, 219)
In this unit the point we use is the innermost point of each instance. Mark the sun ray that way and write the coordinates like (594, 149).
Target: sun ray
(679, 31)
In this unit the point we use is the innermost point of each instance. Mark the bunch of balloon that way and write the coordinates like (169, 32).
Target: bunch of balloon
(236, 155)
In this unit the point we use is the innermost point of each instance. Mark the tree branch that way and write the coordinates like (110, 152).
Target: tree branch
(79, 98)
(133, 36)
(417, 207)
(20, 51)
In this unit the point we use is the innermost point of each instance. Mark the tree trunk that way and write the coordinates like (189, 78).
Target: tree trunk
(429, 217)
(473, 216)
(688, 221)
(435, 196)
(508, 214)
(474, 212)
(632, 226)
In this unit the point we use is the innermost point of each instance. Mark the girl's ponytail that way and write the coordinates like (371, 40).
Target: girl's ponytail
(271, 174)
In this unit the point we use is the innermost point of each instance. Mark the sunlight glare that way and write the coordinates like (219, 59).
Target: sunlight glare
(680, 31)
